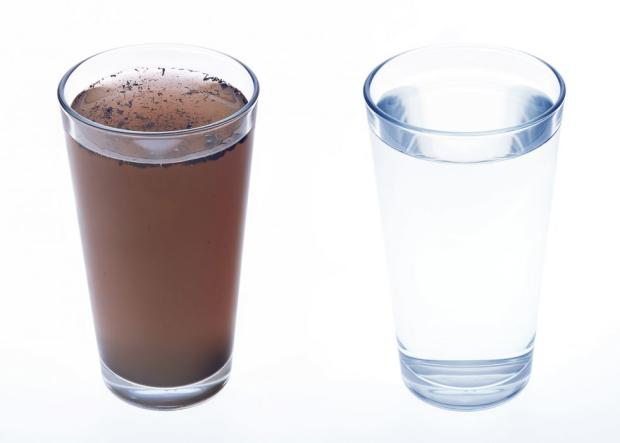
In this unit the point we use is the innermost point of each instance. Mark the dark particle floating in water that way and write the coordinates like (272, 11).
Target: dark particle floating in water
(156, 99)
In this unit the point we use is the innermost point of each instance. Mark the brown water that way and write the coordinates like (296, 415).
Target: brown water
(162, 241)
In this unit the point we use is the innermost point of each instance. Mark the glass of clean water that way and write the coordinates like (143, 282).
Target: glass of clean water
(464, 142)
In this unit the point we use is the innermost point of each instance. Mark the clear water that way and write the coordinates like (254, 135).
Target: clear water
(449, 107)
(466, 106)
(465, 235)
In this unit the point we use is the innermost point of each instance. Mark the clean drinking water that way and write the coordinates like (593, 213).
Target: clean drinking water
(464, 226)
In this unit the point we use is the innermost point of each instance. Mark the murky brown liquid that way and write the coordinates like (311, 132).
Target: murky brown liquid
(162, 242)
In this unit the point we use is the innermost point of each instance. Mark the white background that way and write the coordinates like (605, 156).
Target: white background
(315, 358)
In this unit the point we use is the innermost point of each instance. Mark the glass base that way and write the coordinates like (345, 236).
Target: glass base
(172, 398)
(466, 385)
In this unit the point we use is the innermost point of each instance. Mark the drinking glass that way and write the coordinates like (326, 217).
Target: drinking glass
(161, 218)
(464, 141)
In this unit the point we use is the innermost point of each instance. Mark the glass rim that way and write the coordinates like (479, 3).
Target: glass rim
(515, 128)
(128, 132)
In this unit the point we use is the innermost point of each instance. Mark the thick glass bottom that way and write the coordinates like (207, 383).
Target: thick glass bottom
(169, 398)
(466, 385)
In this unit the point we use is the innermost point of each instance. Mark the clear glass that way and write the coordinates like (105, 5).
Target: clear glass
(464, 141)
(161, 218)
